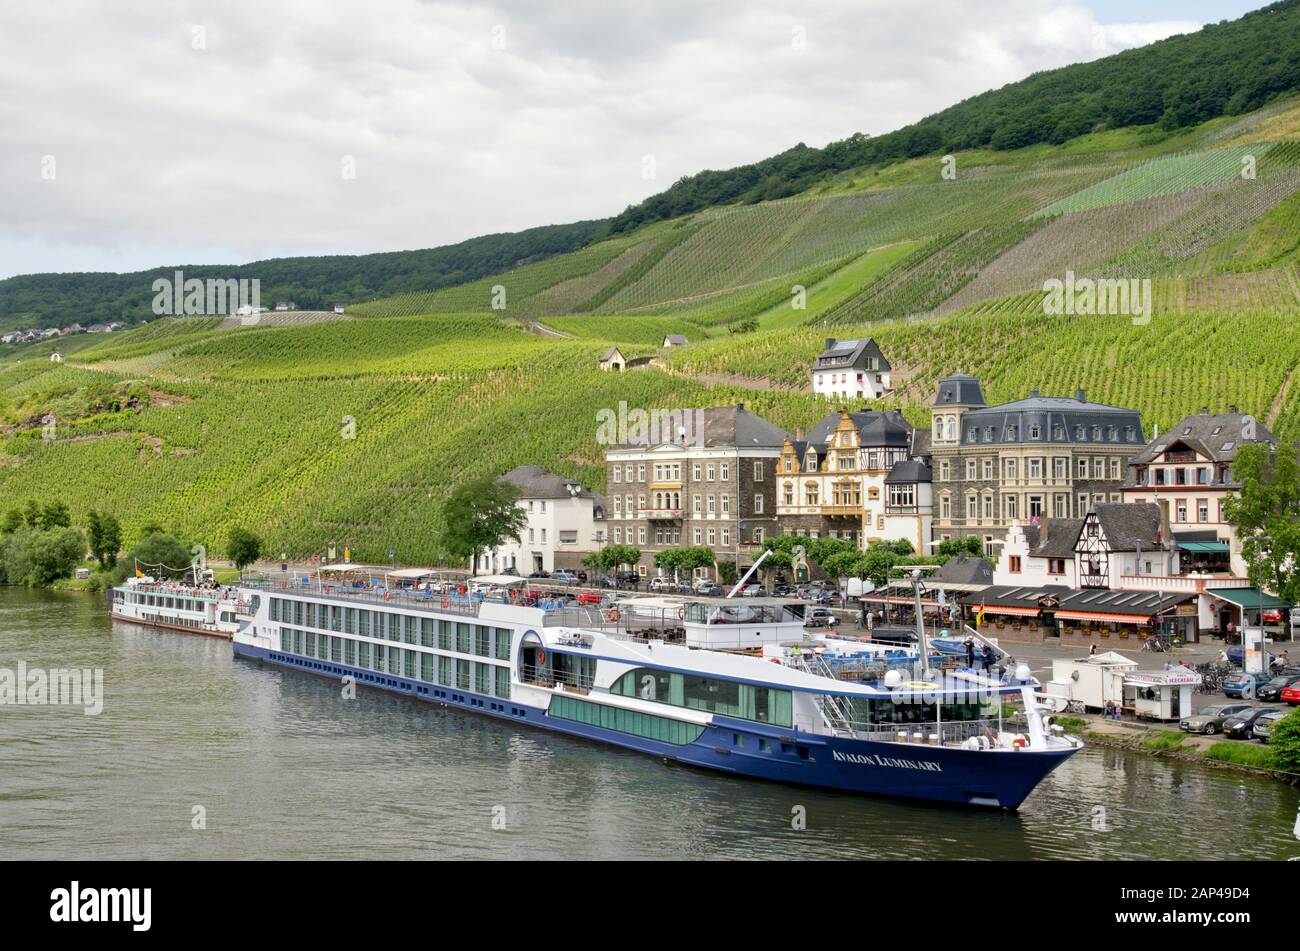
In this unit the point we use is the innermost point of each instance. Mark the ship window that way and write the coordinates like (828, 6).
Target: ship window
(503, 682)
(645, 725)
(503, 644)
(723, 697)
(463, 642)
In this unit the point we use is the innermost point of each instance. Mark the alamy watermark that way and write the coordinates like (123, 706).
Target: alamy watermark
(639, 427)
(1103, 296)
(57, 687)
(177, 295)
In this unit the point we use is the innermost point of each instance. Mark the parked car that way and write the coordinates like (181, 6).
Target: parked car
(540, 574)
(1263, 726)
(1273, 616)
(606, 581)
(1272, 689)
(590, 597)
(820, 617)
(1241, 726)
(1244, 686)
(1209, 720)
(662, 583)
(1237, 656)
(781, 590)
(1291, 694)
(563, 576)
(710, 591)
(629, 579)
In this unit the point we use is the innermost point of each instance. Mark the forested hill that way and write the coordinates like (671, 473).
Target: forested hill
(313, 283)
(1227, 68)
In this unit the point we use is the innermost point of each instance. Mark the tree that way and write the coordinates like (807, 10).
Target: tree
(104, 535)
(54, 515)
(32, 514)
(13, 520)
(965, 545)
(158, 555)
(1266, 517)
(613, 557)
(36, 557)
(727, 573)
(684, 560)
(481, 515)
(1284, 739)
(243, 548)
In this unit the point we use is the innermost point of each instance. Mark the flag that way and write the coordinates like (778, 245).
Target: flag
(979, 617)
(138, 572)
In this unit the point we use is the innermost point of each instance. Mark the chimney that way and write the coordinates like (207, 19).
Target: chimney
(1034, 394)
(830, 342)
(1232, 408)
(1043, 526)
(798, 434)
(1078, 395)
(1205, 411)
(740, 407)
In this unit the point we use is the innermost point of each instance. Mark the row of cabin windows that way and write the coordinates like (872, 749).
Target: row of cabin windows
(400, 662)
(645, 725)
(462, 637)
(723, 697)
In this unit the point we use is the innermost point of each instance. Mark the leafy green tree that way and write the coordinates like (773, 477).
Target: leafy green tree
(481, 515)
(39, 557)
(727, 573)
(243, 548)
(159, 555)
(104, 535)
(1266, 517)
(32, 514)
(1284, 739)
(13, 520)
(614, 557)
(54, 515)
(965, 545)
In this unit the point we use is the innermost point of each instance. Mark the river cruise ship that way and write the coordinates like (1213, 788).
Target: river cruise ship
(177, 606)
(738, 686)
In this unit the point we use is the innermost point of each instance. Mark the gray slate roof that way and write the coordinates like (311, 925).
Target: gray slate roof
(675, 339)
(964, 569)
(1062, 533)
(909, 470)
(959, 389)
(878, 428)
(1130, 525)
(1216, 436)
(850, 355)
(1060, 419)
(609, 354)
(534, 482)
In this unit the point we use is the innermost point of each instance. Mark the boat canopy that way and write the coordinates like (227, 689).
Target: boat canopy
(501, 580)
(407, 573)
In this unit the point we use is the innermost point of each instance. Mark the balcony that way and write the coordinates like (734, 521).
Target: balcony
(662, 515)
(1181, 584)
(670, 485)
(841, 511)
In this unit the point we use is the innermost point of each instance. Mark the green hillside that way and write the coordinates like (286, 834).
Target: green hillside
(354, 431)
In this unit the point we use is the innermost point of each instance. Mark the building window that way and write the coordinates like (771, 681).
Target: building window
(758, 471)
(1011, 504)
(988, 470)
(945, 471)
(1202, 510)
(945, 507)
(758, 505)
(1056, 566)
(972, 506)
(1013, 564)
(711, 472)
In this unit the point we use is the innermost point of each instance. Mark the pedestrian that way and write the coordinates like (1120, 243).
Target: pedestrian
(987, 659)
(1092, 649)
(970, 654)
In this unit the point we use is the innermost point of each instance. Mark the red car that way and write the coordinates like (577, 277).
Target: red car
(1291, 694)
(590, 597)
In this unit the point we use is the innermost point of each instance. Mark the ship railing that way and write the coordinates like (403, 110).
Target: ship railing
(955, 733)
(548, 678)
(402, 597)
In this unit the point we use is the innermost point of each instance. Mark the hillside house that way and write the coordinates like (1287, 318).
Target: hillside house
(565, 524)
(674, 340)
(851, 369)
(613, 359)
(340, 308)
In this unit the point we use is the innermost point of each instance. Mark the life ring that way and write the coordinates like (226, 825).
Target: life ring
(1019, 742)
(388, 595)
(613, 614)
(681, 613)
(446, 602)
(514, 594)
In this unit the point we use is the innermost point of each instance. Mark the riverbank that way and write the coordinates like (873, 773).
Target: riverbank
(1171, 743)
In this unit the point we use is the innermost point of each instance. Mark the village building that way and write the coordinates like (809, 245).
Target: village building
(1187, 472)
(566, 523)
(1023, 461)
(851, 369)
(715, 488)
(613, 359)
(833, 484)
(673, 340)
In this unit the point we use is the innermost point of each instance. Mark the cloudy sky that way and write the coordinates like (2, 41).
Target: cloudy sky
(136, 133)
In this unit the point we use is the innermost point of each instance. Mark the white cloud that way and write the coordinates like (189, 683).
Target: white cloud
(168, 154)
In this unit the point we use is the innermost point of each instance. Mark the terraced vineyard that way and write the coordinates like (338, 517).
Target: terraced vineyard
(354, 430)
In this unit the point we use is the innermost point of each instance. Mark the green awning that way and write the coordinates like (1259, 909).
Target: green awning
(1204, 546)
(1252, 599)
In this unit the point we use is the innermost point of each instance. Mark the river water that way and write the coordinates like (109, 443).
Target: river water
(197, 755)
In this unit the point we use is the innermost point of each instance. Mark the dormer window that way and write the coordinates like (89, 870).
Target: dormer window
(1035, 432)
(1058, 432)
(1217, 430)
(1096, 434)
(1012, 433)
(1079, 434)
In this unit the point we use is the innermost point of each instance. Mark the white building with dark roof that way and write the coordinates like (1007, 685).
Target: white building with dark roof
(566, 522)
(1187, 472)
(851, 369)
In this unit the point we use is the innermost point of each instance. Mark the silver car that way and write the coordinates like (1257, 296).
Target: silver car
(1209, 720)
